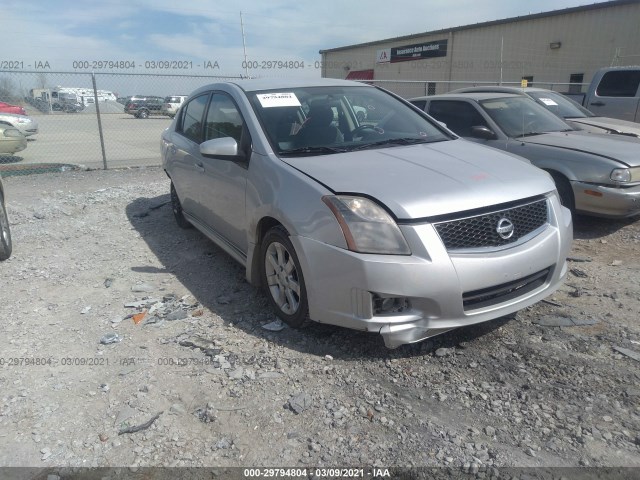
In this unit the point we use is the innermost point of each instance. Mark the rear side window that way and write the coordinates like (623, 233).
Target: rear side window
(622, 83)
(190, 124)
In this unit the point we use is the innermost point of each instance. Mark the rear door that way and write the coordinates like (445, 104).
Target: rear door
(183, 155)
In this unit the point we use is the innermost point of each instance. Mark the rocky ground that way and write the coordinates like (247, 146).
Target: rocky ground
(87, 378)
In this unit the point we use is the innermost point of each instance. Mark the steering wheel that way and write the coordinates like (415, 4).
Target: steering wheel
(360, 129)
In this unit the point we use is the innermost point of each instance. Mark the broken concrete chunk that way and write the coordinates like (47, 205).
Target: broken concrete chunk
(275, 326)
(628, 353)
(110, 338)
(299, 403)
(143, 287)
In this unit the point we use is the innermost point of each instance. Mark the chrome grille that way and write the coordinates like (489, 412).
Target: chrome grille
(481, 231)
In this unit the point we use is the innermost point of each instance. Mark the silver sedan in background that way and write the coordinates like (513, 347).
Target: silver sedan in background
(571, 112)
(5, 230)
(595, 174)
(25, 124)
(384, 222)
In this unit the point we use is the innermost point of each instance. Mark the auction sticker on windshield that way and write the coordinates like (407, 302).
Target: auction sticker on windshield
(548, 101)
(285, 99)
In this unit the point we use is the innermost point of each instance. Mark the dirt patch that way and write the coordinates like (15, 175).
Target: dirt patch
(130, 342)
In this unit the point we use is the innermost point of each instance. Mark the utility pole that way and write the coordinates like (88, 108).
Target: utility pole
(244, 48)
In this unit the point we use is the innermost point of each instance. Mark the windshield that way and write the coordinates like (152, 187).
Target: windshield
(521, 116)
(560, 105)
(324, 120)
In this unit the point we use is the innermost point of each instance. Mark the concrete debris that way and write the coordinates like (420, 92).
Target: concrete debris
(275, 326)
(579, 273)
(300, 402)
(628, 353)
(110, 338)
(143, 288)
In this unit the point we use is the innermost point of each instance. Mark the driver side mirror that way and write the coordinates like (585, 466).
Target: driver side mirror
(225, 148)
(483, 133)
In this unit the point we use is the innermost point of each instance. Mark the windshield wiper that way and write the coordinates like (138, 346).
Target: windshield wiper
(313, 150)
(390, 141)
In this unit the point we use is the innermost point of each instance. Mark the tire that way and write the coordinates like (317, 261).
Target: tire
(177, 210)
(565, 191)
(5, 233)
(282, 278)
(143, 114)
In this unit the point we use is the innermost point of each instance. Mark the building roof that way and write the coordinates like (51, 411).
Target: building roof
(553, 13)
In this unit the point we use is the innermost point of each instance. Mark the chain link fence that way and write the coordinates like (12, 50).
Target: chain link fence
(81, 117)
(82, 122)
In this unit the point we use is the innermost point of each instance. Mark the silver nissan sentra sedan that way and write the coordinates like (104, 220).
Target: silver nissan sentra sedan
(385, 222)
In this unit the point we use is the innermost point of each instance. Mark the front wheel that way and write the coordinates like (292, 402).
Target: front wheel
(5, 233)
(565, 191)
(176, 206)
(282, 278)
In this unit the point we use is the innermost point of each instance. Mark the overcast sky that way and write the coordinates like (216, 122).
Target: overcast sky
(204, 37)
(61, 32)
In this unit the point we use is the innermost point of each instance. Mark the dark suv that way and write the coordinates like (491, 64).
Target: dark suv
(143, 106)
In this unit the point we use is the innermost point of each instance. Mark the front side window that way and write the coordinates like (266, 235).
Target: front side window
(223, 119)
(191, 121)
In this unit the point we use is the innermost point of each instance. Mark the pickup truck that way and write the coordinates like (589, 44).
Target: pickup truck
(613, 92)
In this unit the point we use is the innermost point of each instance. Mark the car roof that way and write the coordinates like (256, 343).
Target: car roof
(501, 89)
(255, 84)
(473, 96)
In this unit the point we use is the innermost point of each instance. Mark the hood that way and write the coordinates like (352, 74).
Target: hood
(420, 181)
(621, 148)
(613, 125)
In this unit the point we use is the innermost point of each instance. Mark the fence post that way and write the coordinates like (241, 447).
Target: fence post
(95, 99)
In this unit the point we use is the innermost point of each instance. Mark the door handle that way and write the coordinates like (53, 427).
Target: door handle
(200, 167)
(598, 104)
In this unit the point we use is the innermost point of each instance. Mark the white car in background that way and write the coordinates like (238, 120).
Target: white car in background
(172, 104)
(25, 124)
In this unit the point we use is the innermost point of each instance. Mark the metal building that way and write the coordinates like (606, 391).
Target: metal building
(560, 49)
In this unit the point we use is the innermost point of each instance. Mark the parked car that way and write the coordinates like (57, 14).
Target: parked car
(11, 140)
(594, 174)
(5, 229)
(614, 92)
(143, 107)
(8, 108)
(27, 125)
(172, 104)
(393, 226)
(570, 111)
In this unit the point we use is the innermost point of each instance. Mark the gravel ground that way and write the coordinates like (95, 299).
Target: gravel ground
(198, 381)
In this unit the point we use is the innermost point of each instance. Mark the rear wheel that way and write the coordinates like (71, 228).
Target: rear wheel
(176, 206)
(282, 278)
(143, 114)
(5, 233)
(564, 190)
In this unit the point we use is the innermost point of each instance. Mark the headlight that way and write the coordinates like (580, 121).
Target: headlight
(12, 132)
(366, 226)
(625, 175)
(23, 120)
